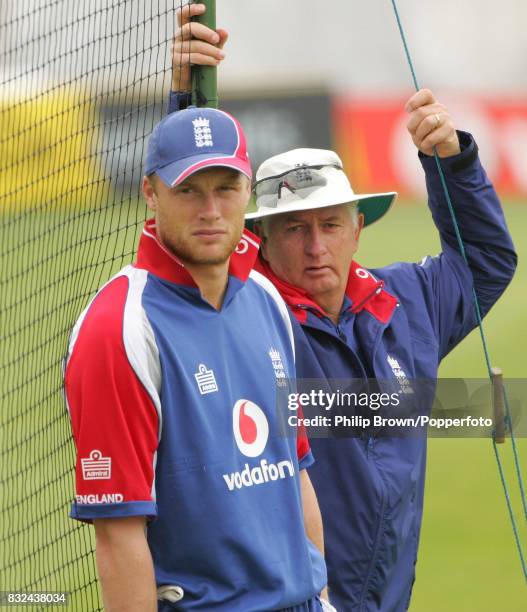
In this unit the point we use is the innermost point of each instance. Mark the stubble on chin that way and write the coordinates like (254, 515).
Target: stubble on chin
(190, 254)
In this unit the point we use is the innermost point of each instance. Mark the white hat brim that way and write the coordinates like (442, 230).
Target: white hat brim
(372, 205)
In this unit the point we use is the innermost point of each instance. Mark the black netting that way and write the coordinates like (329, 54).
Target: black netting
(82, 84)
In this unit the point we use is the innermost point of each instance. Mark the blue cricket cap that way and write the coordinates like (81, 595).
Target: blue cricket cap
(189, 140)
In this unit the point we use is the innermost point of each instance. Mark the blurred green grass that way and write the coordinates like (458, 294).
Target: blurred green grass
(467, 558)
(53, 262)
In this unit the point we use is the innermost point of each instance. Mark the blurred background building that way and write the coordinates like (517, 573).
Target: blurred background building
(298, 73)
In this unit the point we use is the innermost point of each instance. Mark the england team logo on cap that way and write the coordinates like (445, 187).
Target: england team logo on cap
(251, 429)
(202, 132)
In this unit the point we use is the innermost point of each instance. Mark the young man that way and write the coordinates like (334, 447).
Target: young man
(390, 324)
(170, 381)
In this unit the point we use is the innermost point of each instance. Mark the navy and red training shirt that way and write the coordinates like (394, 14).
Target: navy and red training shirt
(173, 409)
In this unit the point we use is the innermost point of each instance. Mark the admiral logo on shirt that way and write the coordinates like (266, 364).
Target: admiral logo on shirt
(96, 467)
(206, 380)
(251, 432)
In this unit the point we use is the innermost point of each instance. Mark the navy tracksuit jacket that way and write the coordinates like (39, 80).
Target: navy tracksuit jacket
(370, 488)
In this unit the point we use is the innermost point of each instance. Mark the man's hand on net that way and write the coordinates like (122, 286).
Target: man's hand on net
(194, 43)
(430, 125)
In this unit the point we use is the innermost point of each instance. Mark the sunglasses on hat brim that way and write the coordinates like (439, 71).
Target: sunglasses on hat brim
(300, 177)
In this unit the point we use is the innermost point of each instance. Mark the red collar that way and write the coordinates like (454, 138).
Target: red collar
(364, 291)
(159, 261)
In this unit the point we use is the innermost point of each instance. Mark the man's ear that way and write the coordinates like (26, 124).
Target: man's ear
(360, 225)
(249, 186)
(149, 193)
(259, 231)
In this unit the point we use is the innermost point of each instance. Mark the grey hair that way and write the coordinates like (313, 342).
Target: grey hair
(352, 207)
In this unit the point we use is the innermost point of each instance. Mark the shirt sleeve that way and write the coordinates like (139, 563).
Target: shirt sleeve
(443, 287)
(303, 449)
(178, 100)
(487, 243)
(112, 407)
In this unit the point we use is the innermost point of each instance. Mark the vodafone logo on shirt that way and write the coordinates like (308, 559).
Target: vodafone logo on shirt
(250, 426)
(251, 432)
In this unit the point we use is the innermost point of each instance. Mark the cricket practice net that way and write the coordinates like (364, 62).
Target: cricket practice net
(82, 84)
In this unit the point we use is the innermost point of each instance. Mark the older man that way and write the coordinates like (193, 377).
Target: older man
(391, 323)
(388, 323)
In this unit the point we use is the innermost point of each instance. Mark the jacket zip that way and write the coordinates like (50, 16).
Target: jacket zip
(370, 442)
(369, 448)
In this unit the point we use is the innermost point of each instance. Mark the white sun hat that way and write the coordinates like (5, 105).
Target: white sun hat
(305, 179)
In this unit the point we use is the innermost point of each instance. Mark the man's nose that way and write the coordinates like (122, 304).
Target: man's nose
(209, 207)
(315, 245)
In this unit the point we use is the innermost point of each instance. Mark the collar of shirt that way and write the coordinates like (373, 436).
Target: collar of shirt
(363, 291)
(154, 257)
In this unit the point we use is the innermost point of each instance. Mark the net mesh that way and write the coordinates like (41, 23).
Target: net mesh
(82, 84)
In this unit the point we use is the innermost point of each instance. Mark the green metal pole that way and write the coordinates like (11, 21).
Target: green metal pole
(204, 78)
